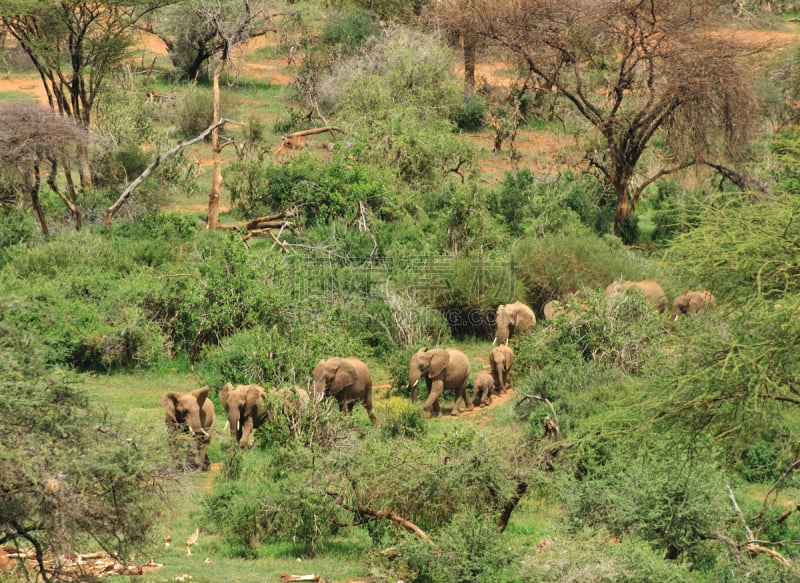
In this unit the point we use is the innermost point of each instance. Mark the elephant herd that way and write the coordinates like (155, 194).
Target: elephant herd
(349, 381)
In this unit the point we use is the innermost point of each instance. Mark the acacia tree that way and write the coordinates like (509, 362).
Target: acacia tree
(634, 70)
(75, 46)
(70, 476)
(195, 32)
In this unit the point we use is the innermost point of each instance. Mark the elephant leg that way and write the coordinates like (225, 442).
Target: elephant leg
(478, 397)
(368, 406)
(432, 402)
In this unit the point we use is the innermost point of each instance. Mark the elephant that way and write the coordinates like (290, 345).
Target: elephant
(244, 405)
(555, 309)
(346, 379)
(512, 318)
(442, 369)
(500, 359)
(652, 292)
(692, 302)
(193, 414)
(482, 385)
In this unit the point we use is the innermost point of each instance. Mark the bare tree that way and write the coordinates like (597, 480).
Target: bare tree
(633, 69)
(33, 141)
(233, 23)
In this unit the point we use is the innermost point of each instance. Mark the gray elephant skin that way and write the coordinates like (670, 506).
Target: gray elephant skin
(244, 406)
(442, 369)
(511, 319)
(348, 380)
(691, 303)
(500, 360)
(482, 386)
(189, 414)
(652, 292)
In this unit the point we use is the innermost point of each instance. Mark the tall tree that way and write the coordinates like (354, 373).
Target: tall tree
(634, 70)
(75, 45)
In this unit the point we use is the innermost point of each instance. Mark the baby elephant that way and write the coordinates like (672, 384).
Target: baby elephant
(692, 302)
(483, 386)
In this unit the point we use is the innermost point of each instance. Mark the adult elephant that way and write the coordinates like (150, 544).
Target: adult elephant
(245, 407)
(510, 319)
(692, 302)
(500, 360)
(442, 369)
(189, 414)
(348, 380)
(652, 291)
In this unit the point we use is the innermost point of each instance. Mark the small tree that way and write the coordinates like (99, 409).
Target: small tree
(633, 71)
(68, 472)
(33, 142)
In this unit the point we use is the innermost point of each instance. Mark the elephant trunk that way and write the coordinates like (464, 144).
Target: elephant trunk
(412, 387)
(501, 380)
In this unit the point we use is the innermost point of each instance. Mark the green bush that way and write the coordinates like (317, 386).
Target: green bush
(468, 550)
(320, 191)
(655, 492)
(348, 30)
(531, 204)
(557, 265)
(760, 463)
(400, 417)
(16, 226)
(193, 111)
(469, 114)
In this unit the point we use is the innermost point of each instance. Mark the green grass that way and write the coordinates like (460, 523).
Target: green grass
(20, 96)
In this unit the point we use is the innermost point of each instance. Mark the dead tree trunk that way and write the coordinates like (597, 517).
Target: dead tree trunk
(212, 219)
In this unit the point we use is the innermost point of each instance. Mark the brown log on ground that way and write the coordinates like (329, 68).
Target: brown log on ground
(295, 140)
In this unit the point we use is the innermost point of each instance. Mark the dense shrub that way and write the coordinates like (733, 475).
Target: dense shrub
(348, 30)
(531, 204)
(320, 191)
(469, 114)
(193, 111)
(468, 550)
(16, 226)
(557, 265)
(670, 499)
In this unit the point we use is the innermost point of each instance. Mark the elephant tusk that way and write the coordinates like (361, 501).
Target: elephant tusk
(414, 386)
(494, 341)
(227, 424)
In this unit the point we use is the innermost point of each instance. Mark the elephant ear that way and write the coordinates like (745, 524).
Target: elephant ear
(345, 376)
(439, 360)
(225, 394)
(201, 395)
(255, 396)
(169, 401)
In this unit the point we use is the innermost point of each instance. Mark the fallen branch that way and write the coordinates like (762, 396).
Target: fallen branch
(371, 515)
(751, 544)
(275, 221)
(295, 140)
(156, 163)
(508, 507)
